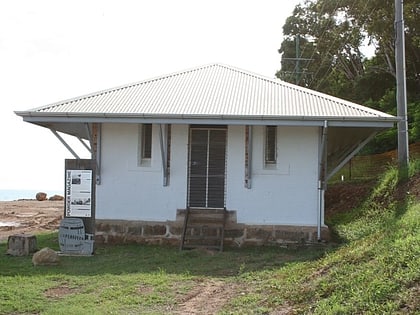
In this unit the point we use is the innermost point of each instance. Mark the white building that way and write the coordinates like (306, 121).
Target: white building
(213, 137)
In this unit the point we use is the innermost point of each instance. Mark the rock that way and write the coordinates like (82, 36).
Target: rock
(56, 198)
(21, 244)
(41, 196)
(45, 257)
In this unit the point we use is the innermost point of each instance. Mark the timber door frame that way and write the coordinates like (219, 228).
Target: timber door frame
(207, 166)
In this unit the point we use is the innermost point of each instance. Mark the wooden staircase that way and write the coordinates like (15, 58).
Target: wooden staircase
(204, 228)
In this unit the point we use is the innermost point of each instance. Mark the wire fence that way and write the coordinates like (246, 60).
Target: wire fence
(365, 167)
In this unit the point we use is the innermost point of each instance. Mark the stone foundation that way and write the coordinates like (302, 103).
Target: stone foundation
(236, 235)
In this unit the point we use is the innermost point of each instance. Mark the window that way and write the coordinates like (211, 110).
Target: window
(270, 145)
(145, 144)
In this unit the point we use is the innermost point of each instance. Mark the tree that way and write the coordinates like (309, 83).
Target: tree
(331, 43)
(332, 36)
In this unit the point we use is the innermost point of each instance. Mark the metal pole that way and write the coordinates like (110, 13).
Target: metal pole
(297, 59)
(403, 154)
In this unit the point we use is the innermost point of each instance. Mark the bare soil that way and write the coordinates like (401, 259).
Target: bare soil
(29, 217)
(342, 197)
(207, 297)
(345, 196)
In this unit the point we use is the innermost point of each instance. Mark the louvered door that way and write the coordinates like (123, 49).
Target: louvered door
(207, 167)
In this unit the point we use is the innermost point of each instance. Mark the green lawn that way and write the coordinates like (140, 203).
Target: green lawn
(130, 278)
(375, 269)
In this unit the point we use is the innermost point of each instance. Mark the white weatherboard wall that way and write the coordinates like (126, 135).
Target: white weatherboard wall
(286, 194)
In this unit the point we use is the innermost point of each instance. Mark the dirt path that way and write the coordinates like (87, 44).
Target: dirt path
(208, 297)
(29, 216)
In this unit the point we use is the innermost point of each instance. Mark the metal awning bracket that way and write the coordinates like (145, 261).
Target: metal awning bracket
(65, 143)
(90, 136)
(84, 144)
(351, 154)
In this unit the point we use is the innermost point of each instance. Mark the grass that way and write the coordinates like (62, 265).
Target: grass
(375, 269)
(127, 279)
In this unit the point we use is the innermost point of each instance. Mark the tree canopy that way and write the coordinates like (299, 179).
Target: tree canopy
(346, 48)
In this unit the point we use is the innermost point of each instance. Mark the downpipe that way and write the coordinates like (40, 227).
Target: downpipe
(322, 178)
(321, 207)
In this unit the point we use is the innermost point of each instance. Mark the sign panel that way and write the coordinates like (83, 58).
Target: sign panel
(78, 193)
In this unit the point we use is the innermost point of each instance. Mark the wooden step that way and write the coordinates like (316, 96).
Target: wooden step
(186, 246)
(203, 228)
(201, 237)
(213, 226)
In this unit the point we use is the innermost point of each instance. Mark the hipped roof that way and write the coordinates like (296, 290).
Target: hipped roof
(218, 94)
(215, 93)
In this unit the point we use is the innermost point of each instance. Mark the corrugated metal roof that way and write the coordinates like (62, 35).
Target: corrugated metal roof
(211, 91)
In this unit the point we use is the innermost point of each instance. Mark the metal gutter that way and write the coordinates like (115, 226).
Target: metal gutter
(204, 116)
(203, 119)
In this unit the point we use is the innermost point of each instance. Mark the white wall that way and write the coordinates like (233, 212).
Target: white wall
(129, 191)
(286, 194)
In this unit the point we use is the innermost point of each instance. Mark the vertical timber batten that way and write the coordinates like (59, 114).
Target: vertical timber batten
(163, 130)
(96, 150)
(248, 156)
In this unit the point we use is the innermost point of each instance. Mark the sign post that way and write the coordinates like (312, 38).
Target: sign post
(77, 229)
(80, 191)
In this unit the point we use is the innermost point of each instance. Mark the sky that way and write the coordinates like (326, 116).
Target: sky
(52, 50)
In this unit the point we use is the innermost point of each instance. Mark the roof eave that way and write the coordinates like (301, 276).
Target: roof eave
(67, 117)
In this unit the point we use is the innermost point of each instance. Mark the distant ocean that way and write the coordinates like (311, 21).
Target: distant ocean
(10, 195)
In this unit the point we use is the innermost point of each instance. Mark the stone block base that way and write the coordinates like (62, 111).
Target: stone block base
(236, 235)
(21, 244)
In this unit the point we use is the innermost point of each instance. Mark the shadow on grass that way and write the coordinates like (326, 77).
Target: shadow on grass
(132, 258)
